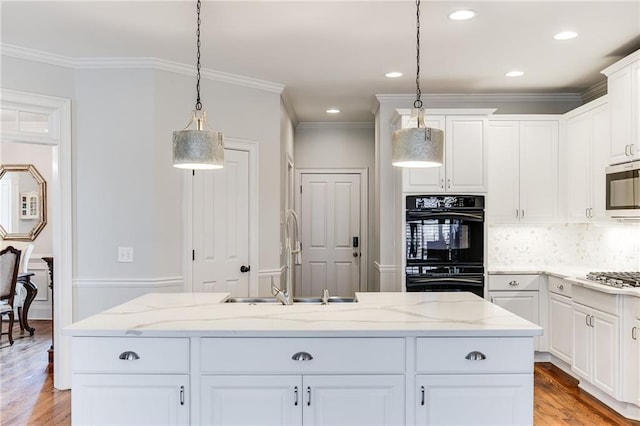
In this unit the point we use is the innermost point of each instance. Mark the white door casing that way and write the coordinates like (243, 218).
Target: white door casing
(221, 224)
(333, 210)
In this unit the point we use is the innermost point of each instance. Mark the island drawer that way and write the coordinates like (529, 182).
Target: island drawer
(451, 355)
(277, 355)
(141, 355)
(605, 302)
(514, 282)
(559, 286)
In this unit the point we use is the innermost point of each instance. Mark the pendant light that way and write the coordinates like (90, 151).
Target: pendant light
(419, 146)
(197, 146)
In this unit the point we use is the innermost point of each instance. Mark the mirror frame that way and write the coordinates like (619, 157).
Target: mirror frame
(42, 190)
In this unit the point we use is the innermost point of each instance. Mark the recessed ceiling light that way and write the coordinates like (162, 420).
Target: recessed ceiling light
(333, 111)
(514, 74)
(565, 35)
(393, 74)
(462, 15)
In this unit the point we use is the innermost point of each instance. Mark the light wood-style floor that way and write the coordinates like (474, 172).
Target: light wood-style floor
(27, 396)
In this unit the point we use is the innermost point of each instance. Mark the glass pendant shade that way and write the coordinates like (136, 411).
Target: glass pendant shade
(417, 145)
(197, 146)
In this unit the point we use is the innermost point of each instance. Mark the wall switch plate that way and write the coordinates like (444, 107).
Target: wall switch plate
(125, 254)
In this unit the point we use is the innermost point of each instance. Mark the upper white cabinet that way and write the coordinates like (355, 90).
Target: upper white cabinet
(623, 83)
(464, 170)
(522, 160)
(588, 137)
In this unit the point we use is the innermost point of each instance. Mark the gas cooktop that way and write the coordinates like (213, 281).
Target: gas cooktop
(616, 279)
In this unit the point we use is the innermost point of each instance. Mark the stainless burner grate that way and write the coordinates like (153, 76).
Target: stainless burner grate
(616, 279)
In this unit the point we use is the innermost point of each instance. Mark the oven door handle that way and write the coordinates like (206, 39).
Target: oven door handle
(473, 217)
(420, 280)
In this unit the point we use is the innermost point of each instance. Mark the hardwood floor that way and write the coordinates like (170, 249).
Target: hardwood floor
(27, 396)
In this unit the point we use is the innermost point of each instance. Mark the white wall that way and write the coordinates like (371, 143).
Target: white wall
(126, 192)
(341, 146)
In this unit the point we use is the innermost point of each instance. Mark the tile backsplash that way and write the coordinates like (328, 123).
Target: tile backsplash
(614, 247)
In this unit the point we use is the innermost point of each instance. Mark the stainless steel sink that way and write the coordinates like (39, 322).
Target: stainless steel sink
(316, 300)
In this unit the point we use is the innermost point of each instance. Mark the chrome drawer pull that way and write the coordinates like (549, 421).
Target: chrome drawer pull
(560, 287)
(514, 283)
(129, 356)
(422, 393)
(302, 356)
(295, 394)
(309, 393)
(475, 356)
(181, 395)
(634, 333)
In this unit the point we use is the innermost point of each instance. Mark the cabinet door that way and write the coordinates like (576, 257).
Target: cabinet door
(599, 161)
(465, 155)
(538, 171)
(430, 179)
(251, 400)
(503, 202)
(525, 304)
(354, 400)
(578, 167)
(131, 399)
(606, 350)
(581, 358)
(619, 85)
(561, 327)
(498, 399)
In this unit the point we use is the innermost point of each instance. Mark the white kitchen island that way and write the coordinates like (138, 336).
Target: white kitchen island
(389, 359)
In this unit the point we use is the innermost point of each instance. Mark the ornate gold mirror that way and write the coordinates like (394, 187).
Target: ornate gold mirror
(23, 202)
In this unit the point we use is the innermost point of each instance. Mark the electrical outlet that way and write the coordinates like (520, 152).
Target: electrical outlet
(125, 254)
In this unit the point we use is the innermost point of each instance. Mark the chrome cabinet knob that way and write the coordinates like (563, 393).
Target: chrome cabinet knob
(302, 356)
(129, 356)
(475, 356)
(560, 287)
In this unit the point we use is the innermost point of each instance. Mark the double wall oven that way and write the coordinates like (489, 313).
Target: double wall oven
(445, 243)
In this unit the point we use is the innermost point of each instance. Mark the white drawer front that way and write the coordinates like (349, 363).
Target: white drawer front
(604, 302)
(514, 282)
(329, 355)
(155, 355)
(559, 286)
(449, 355)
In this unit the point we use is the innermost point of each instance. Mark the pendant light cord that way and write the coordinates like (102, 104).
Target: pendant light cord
(198, 103)
(418, 101)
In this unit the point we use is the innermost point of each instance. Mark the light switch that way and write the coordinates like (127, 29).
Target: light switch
(125, 254)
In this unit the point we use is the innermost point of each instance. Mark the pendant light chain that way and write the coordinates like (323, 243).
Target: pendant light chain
(418, 102)
(198, 103)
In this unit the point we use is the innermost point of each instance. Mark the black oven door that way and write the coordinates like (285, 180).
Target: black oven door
(425, 283)
(444, 237)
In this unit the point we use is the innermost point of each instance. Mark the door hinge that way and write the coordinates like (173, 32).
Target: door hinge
(193, 255)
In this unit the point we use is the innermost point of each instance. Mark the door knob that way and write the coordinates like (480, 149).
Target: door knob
(245, 268)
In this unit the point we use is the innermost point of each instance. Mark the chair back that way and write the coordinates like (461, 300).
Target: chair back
(26, 256)
(9, 266)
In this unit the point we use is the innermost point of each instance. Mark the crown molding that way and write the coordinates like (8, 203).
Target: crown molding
(335, 125)
(289, 107)
(627, 60)
(596, 91)
(136, 63)
(462, 100)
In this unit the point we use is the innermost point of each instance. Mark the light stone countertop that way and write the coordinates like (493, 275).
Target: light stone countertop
(374, 315)
(575, 274)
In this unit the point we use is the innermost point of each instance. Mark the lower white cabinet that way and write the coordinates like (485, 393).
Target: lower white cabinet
(561, 327)
(295, 400)
(130, 399)
(596, 347)
(502, 399)
(636, 338)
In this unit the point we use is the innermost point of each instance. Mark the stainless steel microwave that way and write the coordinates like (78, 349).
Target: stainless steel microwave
(623, 191)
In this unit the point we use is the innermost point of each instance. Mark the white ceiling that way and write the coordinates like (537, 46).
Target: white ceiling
(335, 53)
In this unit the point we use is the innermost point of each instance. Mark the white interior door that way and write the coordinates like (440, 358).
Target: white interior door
(330, 219)
(221, 226)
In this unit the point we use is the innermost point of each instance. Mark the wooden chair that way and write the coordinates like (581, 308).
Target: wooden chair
(9, 267)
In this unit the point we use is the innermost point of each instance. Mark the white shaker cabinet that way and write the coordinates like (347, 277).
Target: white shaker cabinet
(596, 349)
(522, 160)
(588, 137)
(560, 326)
(266, 400)
(518, 294)
(623, 85)
(464, 170)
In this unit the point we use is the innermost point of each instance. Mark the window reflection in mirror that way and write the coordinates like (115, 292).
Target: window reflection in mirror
(22, 202)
